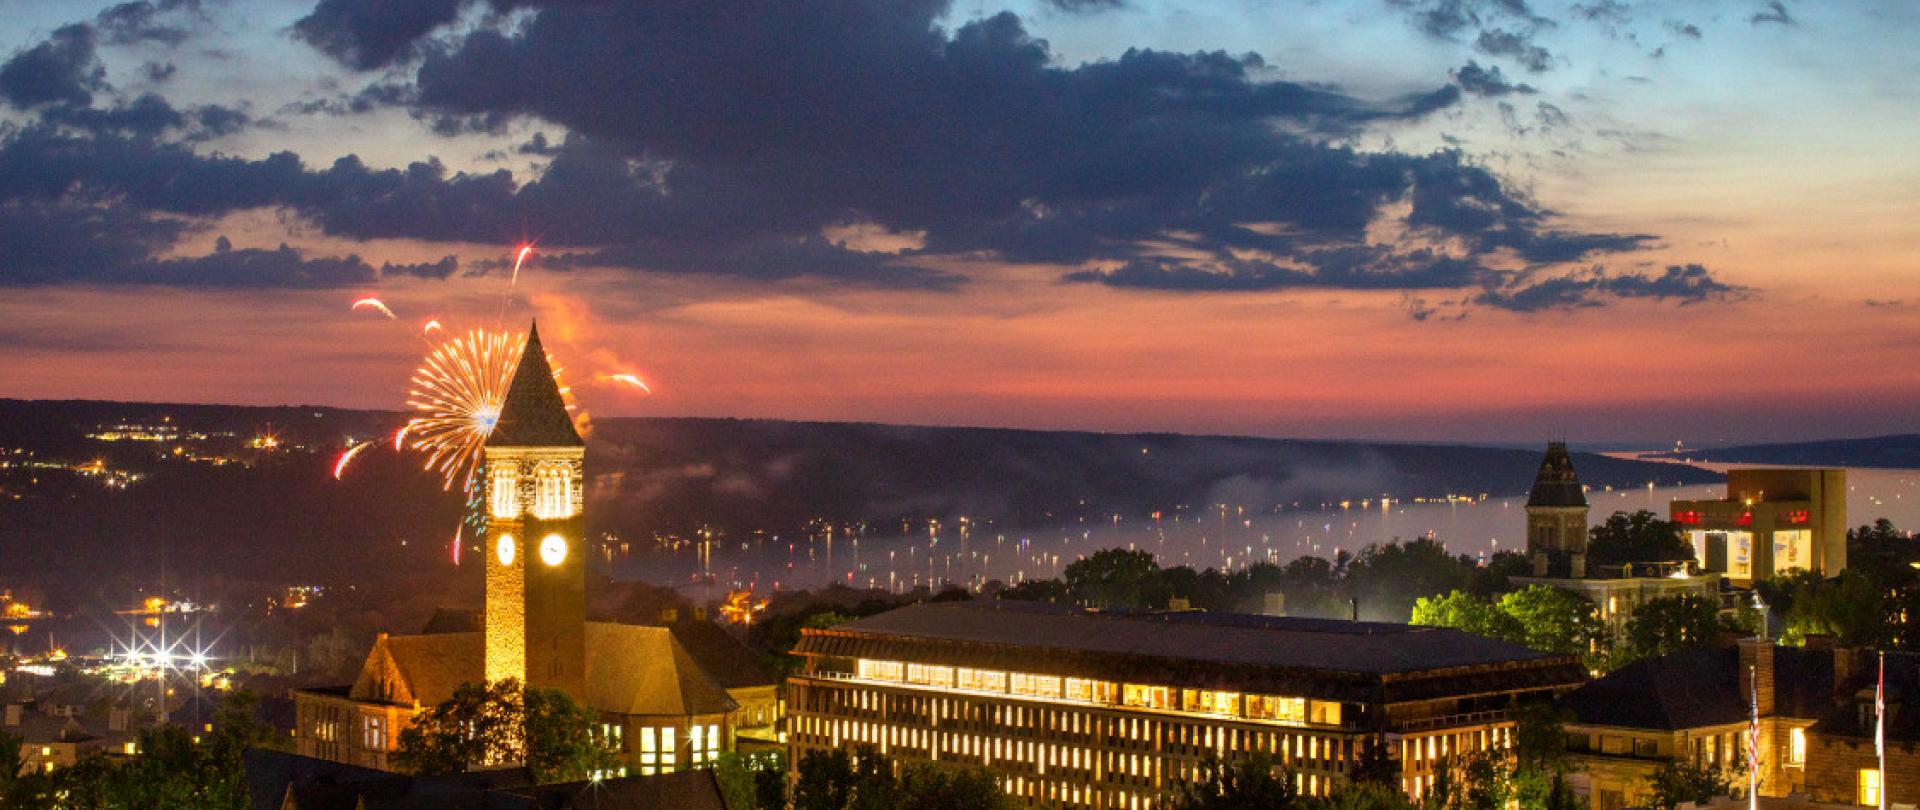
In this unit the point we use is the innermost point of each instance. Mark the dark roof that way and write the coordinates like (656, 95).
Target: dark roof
(316, 784)
(1702, 688)
(1852, 716)
(1314, 657)
(1557, 484)
(533, 413)
(452, 620)
(729, 662)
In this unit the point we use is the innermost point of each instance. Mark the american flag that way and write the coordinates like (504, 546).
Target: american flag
(1753, 732)
(1880, 727)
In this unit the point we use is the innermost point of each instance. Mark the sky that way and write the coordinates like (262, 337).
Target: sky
(1432, 220)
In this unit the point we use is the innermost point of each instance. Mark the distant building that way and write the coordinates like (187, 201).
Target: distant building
(1694, 706)
(1557, 516)
(1772, 521)
(55, 737)
(1090, 709)
(658, 707)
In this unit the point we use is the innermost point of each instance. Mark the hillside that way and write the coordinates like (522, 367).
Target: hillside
(1901, 452)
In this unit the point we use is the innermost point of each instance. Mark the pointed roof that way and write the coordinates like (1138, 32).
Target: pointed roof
(533, 414)
(1557, 484)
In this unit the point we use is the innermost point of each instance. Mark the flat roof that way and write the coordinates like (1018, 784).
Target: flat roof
(1370, 648)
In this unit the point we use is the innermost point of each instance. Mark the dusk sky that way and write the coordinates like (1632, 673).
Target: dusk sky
(1476, 220)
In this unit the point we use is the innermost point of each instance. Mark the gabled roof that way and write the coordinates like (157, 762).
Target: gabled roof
(730, 662)
(1557, 484)
(630, 670)
(533, 413)
(1701, 688)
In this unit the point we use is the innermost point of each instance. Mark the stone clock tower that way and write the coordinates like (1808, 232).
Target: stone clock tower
(536, 566)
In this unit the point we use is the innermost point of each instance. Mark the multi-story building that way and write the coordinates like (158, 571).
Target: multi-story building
(1843, 766)
(656, 705)
(1557, 517)
(1091, 709)
(1697, 707)
(1772, 521)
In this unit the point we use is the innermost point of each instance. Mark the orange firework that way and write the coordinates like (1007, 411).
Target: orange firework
(340, 467)
(458, 392)
(374, 303)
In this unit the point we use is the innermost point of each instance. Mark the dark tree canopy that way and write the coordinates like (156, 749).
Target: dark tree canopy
(1639, 537)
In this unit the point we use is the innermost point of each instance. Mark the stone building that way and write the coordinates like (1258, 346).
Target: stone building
(1842, 765)
(657, 706)
(1772, 521)
(1557, 510)
(1081, 708)
(1694, 706)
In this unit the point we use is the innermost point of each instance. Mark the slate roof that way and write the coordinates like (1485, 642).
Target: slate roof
(729, 662)
(1557, 484)
(533, 413)
(630, 670)
(1318, 658)
(1853, 716)
(314, 784)
(1701, 688)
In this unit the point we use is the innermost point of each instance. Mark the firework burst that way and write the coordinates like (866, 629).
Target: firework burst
(458, 392)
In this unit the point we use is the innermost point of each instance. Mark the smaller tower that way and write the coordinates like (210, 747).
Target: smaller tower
(1557, 509)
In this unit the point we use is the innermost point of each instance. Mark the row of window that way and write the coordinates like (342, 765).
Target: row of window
(553, 491)
(1273, 708)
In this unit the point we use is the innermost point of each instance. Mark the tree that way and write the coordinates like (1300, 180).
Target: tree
(945, 787)
(1486, 781)
(10, 761)
(1036, 590)
(1388, 579)
(1368, 795)
(561, 745)
(1463, 611)
(1639, 537)
(824, 781)
(1671, 624)
(1678, 781)
(1252, 783)
(1540, 737)
(753, 781)
(503, 722)
(1116, 578)
(1555, 620)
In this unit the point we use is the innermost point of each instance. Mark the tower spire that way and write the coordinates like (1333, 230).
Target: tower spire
(533, 413)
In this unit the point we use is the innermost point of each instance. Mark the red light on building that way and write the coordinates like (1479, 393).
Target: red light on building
(1689, 518)
(1798, 516)
(1746, 519)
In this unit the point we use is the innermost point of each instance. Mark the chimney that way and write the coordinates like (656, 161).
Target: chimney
(1353, 605)
(13, 714)
(1756, 672)
(1540, 564)
(669, 615)
(1579, 565)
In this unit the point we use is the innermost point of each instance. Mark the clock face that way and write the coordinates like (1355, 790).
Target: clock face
(553, 549)
(503, 548)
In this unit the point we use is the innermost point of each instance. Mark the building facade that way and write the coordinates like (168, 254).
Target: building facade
(1557, 508)
(657, 706)
(1087, 709)
(1772, 521)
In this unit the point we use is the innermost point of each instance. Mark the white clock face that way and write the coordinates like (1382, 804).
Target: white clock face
(504, 549)
(553, 549)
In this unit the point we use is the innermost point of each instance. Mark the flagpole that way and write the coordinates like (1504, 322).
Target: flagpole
(1880, 726)
(1753, 745)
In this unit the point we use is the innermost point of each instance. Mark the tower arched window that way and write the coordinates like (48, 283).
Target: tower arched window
(505, 498)
(553, 492)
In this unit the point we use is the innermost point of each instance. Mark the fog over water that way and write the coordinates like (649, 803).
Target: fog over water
(1200, 536)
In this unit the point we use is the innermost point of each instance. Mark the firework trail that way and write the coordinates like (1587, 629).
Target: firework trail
(376, 304)
(515, 281)
(629, 379)
(340, 467)
(430, 326)
(458, 391)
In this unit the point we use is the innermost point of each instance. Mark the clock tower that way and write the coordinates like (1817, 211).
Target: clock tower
(536, 567)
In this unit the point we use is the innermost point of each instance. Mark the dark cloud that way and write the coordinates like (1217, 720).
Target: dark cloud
(158, 72)
(63, 69)
(766, 259)
(1085, 6)
(1517, 47)
(1775, 13)
(1685, 29)
(370, 34)
(1686, 284)
(145, 21)
(1609, 13)
(1486, 81)
(538, 145)
(1446, 18)
(367, 99)
(1350, 268)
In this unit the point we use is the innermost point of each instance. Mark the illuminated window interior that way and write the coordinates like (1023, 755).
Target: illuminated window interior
(1870, 787)
(505, 500)
(1797, 747)
(553, 493)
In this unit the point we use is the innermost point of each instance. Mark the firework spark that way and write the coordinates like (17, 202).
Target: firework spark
(340, 467)
(400, 437)
(515, 281)
(432, 325)
(376, 304)
(630, 379)
(458, 391)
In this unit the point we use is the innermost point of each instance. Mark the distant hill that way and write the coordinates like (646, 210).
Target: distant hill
(1891, 452)
(283, 511)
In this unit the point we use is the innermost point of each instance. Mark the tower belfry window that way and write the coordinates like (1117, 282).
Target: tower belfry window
(505, 498)
(553, 493)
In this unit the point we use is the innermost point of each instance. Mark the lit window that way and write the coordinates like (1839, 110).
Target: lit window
(1869, 787)
(376, 734)
(1797, 747)
(669, 749)
(506, 498)
(553, 493)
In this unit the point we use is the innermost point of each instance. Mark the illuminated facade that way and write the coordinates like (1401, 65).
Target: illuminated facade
(656, 705)
(1089, 709)
(1772, 521)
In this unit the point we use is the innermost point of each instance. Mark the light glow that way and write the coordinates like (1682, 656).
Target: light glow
(553, 549)
(503, 549)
